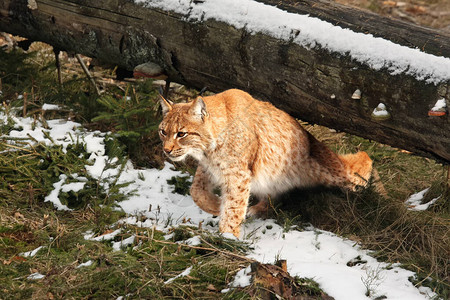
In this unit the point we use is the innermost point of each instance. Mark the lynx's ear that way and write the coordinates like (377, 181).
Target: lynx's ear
(166, 105)
(198, 108)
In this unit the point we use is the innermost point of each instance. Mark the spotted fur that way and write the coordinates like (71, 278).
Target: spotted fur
(246, 146)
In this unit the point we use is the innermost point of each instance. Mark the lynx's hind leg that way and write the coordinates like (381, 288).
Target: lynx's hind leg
(202, 192)
(346, 171)
(260, 209)
(359, 166)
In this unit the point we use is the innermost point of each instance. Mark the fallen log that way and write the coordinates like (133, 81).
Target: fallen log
(311, 80)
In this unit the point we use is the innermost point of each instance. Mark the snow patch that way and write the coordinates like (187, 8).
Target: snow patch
(32, 252)
(242, 278)
(50, 107)
(53, 197)
(73, 187)
(35, 276)
(104, 237)
(193, 241)
(120, 244)
(184, 273)
(414, 202)
(85, 264)
(323, 256)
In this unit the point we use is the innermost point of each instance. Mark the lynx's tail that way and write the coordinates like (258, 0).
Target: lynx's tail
(359, 167)
(346, 171)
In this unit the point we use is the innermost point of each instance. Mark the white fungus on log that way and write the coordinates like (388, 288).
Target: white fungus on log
(439, 108)
(380, 112)
(356, 94)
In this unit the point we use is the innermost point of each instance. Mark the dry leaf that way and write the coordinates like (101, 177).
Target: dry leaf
(390, 3)
(18, 215)
(416, 9)
(19, 258)
(106, 232)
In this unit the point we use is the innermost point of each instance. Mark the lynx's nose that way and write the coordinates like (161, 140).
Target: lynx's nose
(167, 150)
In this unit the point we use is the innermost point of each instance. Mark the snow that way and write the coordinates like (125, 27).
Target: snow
(74, 187)
(193, 241)
(104, 237)
(313, 253)
(60, 130)
(120, 244)
(86, 264)
(228, 235)
(310, 32)
(414, 202)
(242, 278)
(53, 197)
(380, 110)
(184, 273)
(323, 256)
(35, 276)
(32, 252)
(440, 105)
(50, 107)
(424, 206)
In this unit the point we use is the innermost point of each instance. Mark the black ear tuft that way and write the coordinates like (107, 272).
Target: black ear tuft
(166, 105)
(202, 90)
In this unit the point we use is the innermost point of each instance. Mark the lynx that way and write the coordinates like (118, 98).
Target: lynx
(245, 146)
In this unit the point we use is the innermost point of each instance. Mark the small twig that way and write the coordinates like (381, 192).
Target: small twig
(448, 177)
(58, 65)
(166, 88)
(15, 147)
(88, 74)
(24, 109)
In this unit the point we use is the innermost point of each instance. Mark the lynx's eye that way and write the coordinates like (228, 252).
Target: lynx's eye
(181, 134)
(162, 132)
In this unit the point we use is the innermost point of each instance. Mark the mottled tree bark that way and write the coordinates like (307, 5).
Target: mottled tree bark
(311, 84)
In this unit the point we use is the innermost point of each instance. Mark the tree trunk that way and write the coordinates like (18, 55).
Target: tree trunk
(314, 85)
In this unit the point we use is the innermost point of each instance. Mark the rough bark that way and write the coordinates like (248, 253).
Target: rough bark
(219, 56)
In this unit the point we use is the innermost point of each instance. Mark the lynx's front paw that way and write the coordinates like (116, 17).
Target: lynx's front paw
(230, 228)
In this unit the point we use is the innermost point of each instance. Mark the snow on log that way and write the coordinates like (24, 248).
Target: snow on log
(312, 66)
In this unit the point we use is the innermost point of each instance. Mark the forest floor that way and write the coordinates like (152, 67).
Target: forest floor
(87, 208)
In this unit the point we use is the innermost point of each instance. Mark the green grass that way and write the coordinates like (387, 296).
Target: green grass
(140, 271)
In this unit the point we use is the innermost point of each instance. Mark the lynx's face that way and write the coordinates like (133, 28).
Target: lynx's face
(182, 130)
